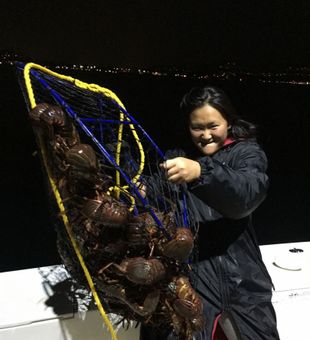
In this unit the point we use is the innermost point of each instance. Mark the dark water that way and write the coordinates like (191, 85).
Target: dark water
(281, 111)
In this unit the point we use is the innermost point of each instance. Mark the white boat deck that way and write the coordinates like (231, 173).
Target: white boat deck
(289, 267)
(24, 314)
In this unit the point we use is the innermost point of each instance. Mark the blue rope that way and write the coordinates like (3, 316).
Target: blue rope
(111, 159)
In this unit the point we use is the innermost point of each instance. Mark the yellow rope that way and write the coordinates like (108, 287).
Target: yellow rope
(124, 190)
(106, 92)
(64, 216)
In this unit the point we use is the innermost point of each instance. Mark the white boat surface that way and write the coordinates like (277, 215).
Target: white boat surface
(24, 314)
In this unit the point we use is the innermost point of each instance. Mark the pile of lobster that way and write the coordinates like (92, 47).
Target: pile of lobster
(139, 269)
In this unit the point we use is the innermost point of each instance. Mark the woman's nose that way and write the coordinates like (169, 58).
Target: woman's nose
(207, 134)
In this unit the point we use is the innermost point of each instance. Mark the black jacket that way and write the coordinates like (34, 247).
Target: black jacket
(233, 183)
(230, 274)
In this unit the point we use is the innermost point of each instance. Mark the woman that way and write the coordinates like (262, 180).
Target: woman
(226, 181)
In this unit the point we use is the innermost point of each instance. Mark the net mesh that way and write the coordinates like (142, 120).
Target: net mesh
(131, 228)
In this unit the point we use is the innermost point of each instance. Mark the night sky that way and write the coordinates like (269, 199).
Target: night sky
(148, 33)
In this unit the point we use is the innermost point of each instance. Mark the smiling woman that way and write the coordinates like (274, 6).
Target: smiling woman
(213, 121)
(226, 181)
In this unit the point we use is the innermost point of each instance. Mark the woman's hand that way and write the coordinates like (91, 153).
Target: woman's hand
(180, 170)
(141, 188)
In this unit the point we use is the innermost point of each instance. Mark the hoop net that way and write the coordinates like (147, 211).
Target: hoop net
(95, 153)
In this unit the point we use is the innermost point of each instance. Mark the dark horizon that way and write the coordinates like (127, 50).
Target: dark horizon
(292, 74)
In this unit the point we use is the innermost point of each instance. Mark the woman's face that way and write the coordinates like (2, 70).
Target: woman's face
(208, 128)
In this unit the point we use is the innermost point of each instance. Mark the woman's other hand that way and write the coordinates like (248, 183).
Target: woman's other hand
(141, 188)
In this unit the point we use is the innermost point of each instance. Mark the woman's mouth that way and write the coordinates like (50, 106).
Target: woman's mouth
(204, 143)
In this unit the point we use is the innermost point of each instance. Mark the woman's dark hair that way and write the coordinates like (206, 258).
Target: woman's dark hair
(198, 97)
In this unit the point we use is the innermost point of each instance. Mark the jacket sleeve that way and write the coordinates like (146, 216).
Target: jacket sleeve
(237, 188)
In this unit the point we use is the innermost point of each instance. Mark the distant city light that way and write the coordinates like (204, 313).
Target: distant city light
(293, 75)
